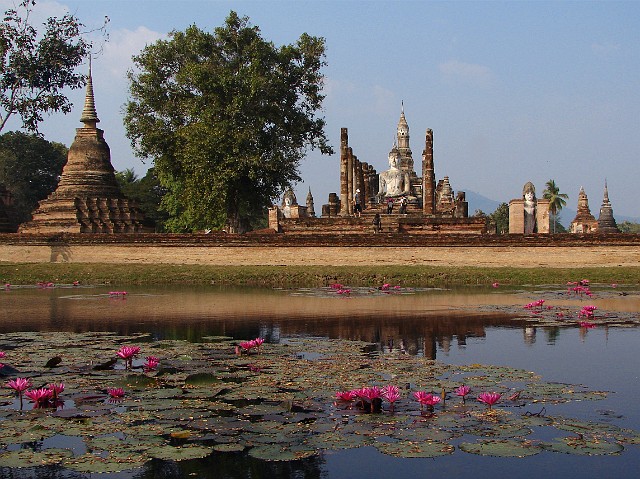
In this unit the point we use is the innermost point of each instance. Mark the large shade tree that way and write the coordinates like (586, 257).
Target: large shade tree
(557, 200)
(226, 118)
(147, 193)
(38, 63)
(30, 168)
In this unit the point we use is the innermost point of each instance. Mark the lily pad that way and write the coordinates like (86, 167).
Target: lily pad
(415, 449)
(172, 453)
(280, 453)
(501, 448)
(583, 447)
(31, 458)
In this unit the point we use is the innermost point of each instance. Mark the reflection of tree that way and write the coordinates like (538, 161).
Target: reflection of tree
(234, 466)
(552, 334)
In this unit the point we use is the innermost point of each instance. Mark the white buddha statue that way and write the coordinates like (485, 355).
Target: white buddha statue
(394, 181)
(530, 203)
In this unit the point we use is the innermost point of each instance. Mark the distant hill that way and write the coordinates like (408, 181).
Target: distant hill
(478, 202)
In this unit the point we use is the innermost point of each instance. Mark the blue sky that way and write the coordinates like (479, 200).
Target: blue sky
(514, 91)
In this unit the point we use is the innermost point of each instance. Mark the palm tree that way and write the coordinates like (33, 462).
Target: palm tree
(556, 199)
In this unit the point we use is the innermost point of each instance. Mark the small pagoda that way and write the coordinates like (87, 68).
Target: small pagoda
(88, 198)
(606, 221)
(584, 222)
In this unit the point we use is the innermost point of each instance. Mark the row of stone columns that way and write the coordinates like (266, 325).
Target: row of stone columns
(354, 175)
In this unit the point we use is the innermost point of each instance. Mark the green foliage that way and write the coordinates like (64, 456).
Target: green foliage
(147, 192)
(629, 227)
(226, 118)
(557, 201)
(37, 65)
(500, 217)
(30, 168)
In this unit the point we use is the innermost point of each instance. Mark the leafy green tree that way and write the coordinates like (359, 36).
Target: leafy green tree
(500, 217)
(147, 192)
(629, 227)
(37, 65)
(226, 118)
(30, 168)
(557, 201)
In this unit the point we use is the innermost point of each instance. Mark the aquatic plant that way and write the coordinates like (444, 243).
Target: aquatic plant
(489, 398)
(127, 353)
(463, 392)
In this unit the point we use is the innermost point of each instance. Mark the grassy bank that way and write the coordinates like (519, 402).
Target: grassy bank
(424, 276)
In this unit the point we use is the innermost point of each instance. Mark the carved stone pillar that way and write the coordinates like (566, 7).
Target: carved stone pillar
(344, 180)
(428, 176)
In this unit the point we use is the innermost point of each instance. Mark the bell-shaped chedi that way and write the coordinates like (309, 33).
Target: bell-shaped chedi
(606, 221)
(88, 198)
(584, 222)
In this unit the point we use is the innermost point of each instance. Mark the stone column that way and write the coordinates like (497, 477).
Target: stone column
(350, 188)
(344, 180)
(542, 216)
(428, 176)
(516, 216)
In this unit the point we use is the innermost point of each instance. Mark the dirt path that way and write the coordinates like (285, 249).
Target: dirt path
(557, 256)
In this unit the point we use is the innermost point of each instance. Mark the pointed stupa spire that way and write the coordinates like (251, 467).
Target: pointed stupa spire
(89, 115)
(606, 221)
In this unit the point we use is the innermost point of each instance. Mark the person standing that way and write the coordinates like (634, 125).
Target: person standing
(357, 204)
(389, 206)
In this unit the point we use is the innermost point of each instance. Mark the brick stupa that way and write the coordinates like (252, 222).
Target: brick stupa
(88, 198)
(584, 222)
(606, 221)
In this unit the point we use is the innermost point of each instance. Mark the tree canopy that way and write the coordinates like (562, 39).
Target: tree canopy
(30, 168)
(147, 192)
(557, 201)
(226, 117)
(500, 217)
(37, 65)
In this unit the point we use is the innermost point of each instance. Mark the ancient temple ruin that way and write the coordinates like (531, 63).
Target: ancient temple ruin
(584, 222)
(606, 221)
(88, 198)
(406, 202)
(529, 214)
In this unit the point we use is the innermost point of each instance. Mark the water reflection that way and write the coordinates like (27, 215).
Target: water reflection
(444, 324)
(415, 324)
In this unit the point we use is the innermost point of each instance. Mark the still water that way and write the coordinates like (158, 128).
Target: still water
(452, 326)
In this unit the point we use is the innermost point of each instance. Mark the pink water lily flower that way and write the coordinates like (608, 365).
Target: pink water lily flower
(128, 352)
(373, 392)
(19, 384)
(152, 362)
(426, 398)
(116, 393)
(39, 396)
(345, 395)
(463, 391)
(56, 389)
(391, 393)
(489, 398)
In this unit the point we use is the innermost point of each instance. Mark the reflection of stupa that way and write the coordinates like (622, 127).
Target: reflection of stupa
(88, 198)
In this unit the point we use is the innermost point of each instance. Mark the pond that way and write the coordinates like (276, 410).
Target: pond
(461, 328)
